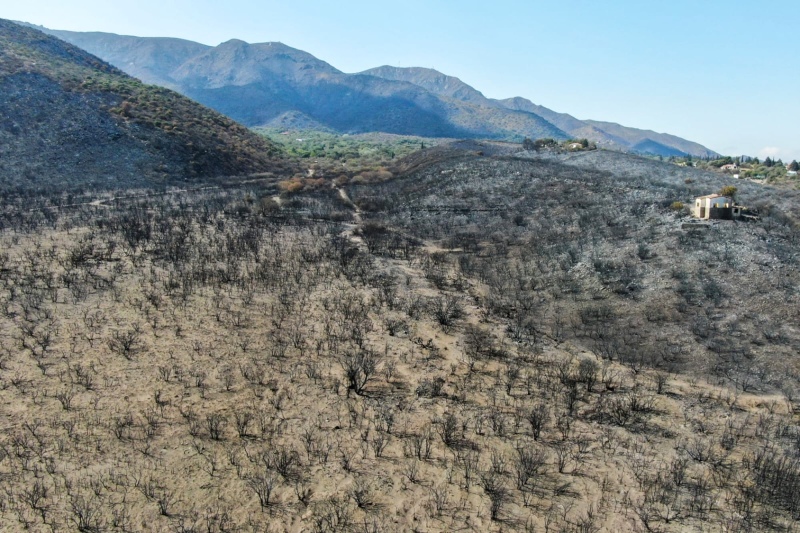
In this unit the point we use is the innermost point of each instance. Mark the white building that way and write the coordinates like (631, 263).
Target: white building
(715, 206)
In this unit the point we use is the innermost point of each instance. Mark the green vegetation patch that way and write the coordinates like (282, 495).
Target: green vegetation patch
(357, 150)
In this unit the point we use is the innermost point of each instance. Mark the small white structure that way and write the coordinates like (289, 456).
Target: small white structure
(714, 206)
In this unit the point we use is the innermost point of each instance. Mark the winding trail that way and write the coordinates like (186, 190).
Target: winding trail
(356, 210)
(350, 227)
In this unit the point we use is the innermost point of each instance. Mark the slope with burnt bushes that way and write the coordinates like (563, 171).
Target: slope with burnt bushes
(68, 118)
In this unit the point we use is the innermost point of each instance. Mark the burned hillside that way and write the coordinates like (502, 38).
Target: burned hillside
(70, 122)
(592, 247)
(484, 344)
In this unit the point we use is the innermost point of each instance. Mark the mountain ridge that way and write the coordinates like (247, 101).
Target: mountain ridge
(610, 134)
(262, 84)
(431, 80)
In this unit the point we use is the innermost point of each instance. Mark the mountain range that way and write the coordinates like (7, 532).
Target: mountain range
(67, 117)
(272, 84)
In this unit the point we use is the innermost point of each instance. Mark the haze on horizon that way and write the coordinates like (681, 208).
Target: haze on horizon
(719, 74)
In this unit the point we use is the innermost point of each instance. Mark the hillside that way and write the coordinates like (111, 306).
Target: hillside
(69, 118)
(151, 61)
(273, 85)
(496, 340)
(262, 82)
(635, 136)
(430, 80)
(612, 136)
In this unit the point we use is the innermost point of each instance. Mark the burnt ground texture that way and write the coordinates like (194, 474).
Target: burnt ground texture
(494, 340)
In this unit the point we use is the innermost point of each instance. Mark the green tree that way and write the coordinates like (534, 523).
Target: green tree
(728, 190)
(794, 166)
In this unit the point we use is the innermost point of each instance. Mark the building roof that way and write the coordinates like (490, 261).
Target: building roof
(710, 196)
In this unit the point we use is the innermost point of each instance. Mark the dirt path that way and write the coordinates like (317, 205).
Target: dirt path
(445, 341)
(356, 210)
(350, 227)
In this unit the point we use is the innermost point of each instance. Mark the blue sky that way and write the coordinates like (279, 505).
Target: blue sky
(724, 74)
